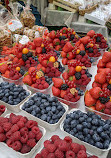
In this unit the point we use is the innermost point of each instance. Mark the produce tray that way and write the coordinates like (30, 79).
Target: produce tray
(51, 127)
(90, 148)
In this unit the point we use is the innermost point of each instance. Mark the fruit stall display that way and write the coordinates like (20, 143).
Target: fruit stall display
(46, 78)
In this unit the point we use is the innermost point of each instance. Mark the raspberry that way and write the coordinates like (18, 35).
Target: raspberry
(24, 138)
(51, 155)
(31, 135)
(1, 130)
(63, 146)
(75, 147)
(23, 130)
(83, 147)
(30, 124)
(40, 86)
(54, 137)
(20, 124)
(44, 153)
(51, 148)
(70, 96)
(57, 142)
(35, 130)
(2, 108)
(81, 154)
(59, 154)
(70, 154)
(17, 145)
(24, 119)
(14, 128)
(25, 149)
(39, 136)
(46, 85)
(31, 143)
(46, 143)
(7, 126)
(2, 137)
(68, 139)
(38, 156)
(9, 134)
(43, 82)
(14, 119)
(93, 156)
(16, 136)
(9, 142)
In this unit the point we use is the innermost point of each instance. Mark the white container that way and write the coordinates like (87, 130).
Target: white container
(16, 108)
(90, 148)
(29, 154)
(51, 127)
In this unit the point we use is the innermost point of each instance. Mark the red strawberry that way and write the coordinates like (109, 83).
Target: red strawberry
(44, 63)
(81, 47)
(27, 80)
(39, 50)
(63, 54)
(64, 61)
(100, 78)
(78, 43)
(3, 68)
(65, 75)
(106, 57)
(56, 42)
(95, 92)
(95, 84)
(68, 47)
(52, 34)
(57, 82)
(38, 41)
(70, 55)
(71, 71)
(58, 48)
(63, 92)
(104, 85)
(89, 100)
(108, 65)
(64, 30)
(21, 62)
(31, 69)
(104, 70)
(101, 64)
(91, 33)
(56, 92)
(85, 40)
(100, 106)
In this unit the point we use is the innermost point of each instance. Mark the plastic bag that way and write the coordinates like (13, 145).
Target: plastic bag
(31, 33)
(40, 29)
(4, 13)
(23, 39)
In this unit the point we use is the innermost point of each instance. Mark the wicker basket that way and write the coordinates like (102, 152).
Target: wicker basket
(89, 10)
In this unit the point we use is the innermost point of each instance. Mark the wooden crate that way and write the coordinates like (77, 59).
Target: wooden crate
(66, 5)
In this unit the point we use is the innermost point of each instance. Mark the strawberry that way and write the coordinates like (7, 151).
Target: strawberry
(89, 100)
(95, 92)
(85, 40)
(21, 62)
(27, 80)
(57, 82)
(38, 50)
(100, 78)
(31, 69)
(58, 48)
(44, 63)
(108, 65)
(15, 60)
(64, 30)
(56, 42)
(3, 68)
(63, 92)
(101, 64)
(38, 41)
(63, 54)
(104, 70)
(7, 74)
(81, 47)
(71, 71)
(64, 61)
(56, 92)
(70, 55)
(68, 47)
(99, 106)
(78, 43)
(104, 85)
(65, 75)
(52, 34)
(91, 33)
(106, 57)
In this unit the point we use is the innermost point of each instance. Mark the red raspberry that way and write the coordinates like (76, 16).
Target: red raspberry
(68, 139)
(93, 156)
(39, 136)
(14, 128)
(44, 153)
(3, 120)
(2, 137)
(30, 124)
(14, 119)
(20, 124)
(40, 86)
(24, 138)
(83, 147)
(51, 155)
(31, 135)
(70, 154)
(9, 142)
(7, 126)
(54, 137)
(1, 130)
(25, 149)
(51, 148)
(46, 143)
(2, 108)
(57, 142)
(59, 154)
(38, 156)
(31, 143)
(16, 136)
(35, 130)
(81, 154)
(23, 130)
(46, 85)
(9, 134)
(75, 147)
(70, 96)
(43, 82)
(24, 119)
(63, 146)
(17, 145)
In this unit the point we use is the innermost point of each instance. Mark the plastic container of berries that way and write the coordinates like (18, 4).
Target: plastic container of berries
(51, 127)
(90, 148)
(29, 154)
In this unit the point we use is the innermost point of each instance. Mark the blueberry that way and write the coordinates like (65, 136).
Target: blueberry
(104, 135)
(85, 116)
(91, 142)
(75, 130)
(86, 140)
(54, 117)
(71, 132)
(37, 110)
(48, 108)
(44, 117)
(89, 113)
(110, 129)
(46, 104)
(81, 137)
(73, 123)
(34, 107)
(10, 98)
(95, 122)
(48, 119)
(76, 116)
(100, 129)
(99, 145)
(10, 102)
(59, 107)
(106, 144)
(89, 125)
(43, 100)
(79, 127)
(89, 119)
(53, 109)
(42, 106)
(108, 122)
(50, 113)
(91, 132)
(106, 127)
(85, 124)
(81, 119)
(96, 138)
(51, 122)
(7, 95)
(67, 130)
(86, 131)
